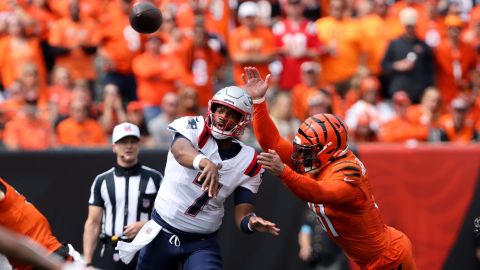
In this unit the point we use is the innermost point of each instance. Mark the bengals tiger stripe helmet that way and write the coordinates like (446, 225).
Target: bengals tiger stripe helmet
(320, 139)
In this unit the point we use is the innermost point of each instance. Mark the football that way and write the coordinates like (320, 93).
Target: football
(145, 18)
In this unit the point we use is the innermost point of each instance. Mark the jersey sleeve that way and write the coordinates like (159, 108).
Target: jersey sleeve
(253, 172)
(318, 191)
(268, 136)
(348, 172)
(191, 127)
(95, 193)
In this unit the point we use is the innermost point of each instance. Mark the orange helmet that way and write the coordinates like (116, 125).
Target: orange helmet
(321, 138)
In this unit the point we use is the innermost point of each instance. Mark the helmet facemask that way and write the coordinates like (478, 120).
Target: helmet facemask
(222, 132)
(308, 158)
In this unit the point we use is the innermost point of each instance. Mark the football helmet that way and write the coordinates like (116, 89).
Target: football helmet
(236, 99)
(320, 139)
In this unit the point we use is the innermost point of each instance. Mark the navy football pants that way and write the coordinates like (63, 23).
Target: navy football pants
(193, 254)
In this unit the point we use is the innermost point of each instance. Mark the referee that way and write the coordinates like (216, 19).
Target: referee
(121, 201)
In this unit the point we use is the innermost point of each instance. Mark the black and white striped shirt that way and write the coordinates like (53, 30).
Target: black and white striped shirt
(121, 208)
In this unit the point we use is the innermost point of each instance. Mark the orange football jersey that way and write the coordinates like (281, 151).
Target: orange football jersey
(341, 197)
(20, 216)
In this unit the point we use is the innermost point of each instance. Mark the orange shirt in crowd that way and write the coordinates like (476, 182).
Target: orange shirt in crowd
(73, 35)
(61, 98)
(44, 18)
(378, 33)
(15, 54)
(205, 62)
(22, 133)
(242, 42)
(119, 42)
(300, 94)
(157, 75)
(417, 113)
(21, 217)
(464, 135)
(89, 133)
(446, 56)
(347, 36)
(401, 130)
(217, 17)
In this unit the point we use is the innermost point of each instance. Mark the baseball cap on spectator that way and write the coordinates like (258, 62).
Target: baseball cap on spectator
(134, 106)
(453, 21)
(309, 66)
(401, 98)
(248, 9)
(408, 16)
(459, 104)
(123, 130)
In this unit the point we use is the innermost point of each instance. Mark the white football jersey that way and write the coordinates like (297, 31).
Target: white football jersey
(180, 200)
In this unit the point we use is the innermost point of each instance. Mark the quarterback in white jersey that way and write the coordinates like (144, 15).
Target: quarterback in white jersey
(205, 165)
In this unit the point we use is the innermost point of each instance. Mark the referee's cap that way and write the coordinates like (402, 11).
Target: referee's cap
(123, 130)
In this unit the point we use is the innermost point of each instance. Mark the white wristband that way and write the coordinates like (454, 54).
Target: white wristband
(258, 100)
(196, 161)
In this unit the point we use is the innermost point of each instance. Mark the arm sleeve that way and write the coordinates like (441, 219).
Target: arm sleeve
(242, 195)
(188, 127)
(268, 135)
(253, 183)
(317, 191)
(95, 193)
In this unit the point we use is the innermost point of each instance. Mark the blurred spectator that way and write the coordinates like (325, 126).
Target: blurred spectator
(15, 99)
(113, 112)
(399, 5)
(379, 29)
(135, 115)
(157, 73)
(60, 92)
(400, 128)
(205, 62)
(88, 9)
(30, 78)
(457, 125)
(297, 41)
(158, 125)
(363, 131)
(188, 102)
(344, 50)
(430, 109)
(319, 101)
(27, 51)
(408, 62)
(119, 44)
(310, 82)
(28, 131)
(316, 247)
(455, 60)
(217, 13)
(369, 108)
(281, 112)
(432, 28)
(312, 9)
(250, 44)
(79, 130)
(74, 42)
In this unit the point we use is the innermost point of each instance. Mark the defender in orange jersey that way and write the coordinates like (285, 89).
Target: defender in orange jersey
(320, 169)
(21, 217)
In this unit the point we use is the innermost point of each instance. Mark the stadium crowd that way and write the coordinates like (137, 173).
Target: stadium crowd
(395, 71)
